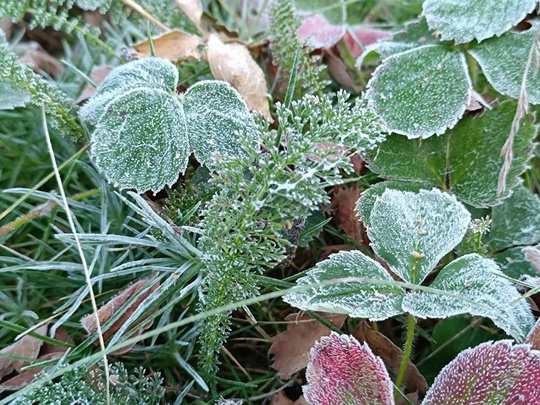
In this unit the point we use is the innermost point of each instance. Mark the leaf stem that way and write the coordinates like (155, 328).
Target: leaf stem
(407, 350)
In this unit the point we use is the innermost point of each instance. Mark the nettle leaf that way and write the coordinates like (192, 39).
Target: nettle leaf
(516, 221)
(141, 141)
(413, 231)
(463, 21)
(465, 160)
(218, 120)
(477, 287)
(12, 97)
(358, 299)
(343, 371)
(367, 200)
(491, 373)
(503, 61)
(148, 73)
(421, 92)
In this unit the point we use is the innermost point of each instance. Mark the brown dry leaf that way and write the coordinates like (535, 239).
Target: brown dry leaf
(343, 203)
(27, 376)
(98, 74)
(339, 71)
(27, 347)
(114, 305)
(233, 63)
(291, 347)
(532, 255)
(534, 336)
(391, 355)
(193, 10)
(412, 399)
(33, 53)
(477, 103)
(175, 46)
(281, 399)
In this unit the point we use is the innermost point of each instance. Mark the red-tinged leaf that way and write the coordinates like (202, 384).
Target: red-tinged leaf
(363, 37)
(534, 336)
(341, 371)
(491, 373)
(319, 33)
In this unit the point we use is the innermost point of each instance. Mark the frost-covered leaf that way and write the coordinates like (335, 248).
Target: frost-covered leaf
(503, 61)
(463, 21)
(516, 221)
(466, 160)
(141, 141)
(477, 288)
(513, 263)
(318, 33)
(358, 299)
(94, 4)
(365, 203)
(149, 73)
(12, 97)
(413, 231)
(491, 373)
(218, 121)
(421, 92)
(343, 371)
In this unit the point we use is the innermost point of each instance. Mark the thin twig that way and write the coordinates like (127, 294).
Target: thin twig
(146, 14)
(81, 253)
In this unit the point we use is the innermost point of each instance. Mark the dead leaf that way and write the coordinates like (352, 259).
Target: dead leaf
(175, 46)
(291, 347)
(534, 336)
(343, 203)
(477, 103)
(114, 305)
(391, 355)
(318, 33)
(233, 63)
(358, 39)
(27, 376)
(7, 27)
(532, 255)
(98, 75)
(281, 399)
(33, 53)
(339, 71)
(27, 347)
(412, 397)
(193, 10)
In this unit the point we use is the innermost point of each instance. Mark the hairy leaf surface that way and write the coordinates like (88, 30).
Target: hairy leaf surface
(484, 291)
(421, 92)
(463, 21)
(358, 299)
(491, 373)
(413, 231)
(343, 371)
(466, 160)
(503, 61)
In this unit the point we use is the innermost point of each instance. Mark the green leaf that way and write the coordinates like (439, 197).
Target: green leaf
(358, 299)
(516, 221)
(484, 292)
(422, 91)
(148, 73)
(218, 120)
(503, 61)
(141, 140)
(513, 264)
(413, 231)
(12, 97)
(365, 203)
(463, 21)
(466, 160)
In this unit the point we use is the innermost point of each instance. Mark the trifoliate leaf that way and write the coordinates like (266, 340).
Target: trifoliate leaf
(218, 120)
(516, 221)
(365, 203)
(342, 371)
(491, 373)
(503, 61)
(463, 21)
(149, 73)
(358, 299)
(413, 231)
(477, 287)
(466, 160)
(141, 140)
(421, 92)
(12, 97)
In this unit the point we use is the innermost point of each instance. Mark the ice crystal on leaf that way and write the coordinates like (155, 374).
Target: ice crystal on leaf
(341, 371)
(421, 92)
(463, 21)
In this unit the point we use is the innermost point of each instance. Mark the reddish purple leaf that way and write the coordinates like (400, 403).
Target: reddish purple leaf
(364, 37)
(319, 33)
(341, 371)
(491, 373)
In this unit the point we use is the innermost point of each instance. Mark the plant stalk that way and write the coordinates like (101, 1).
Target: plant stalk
(407, 350)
